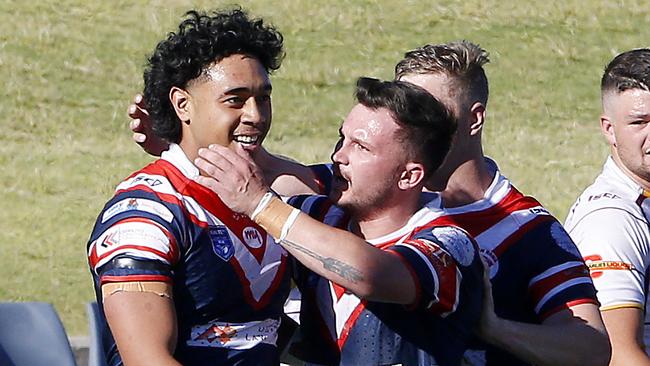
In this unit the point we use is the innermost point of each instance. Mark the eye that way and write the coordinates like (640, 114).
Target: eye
(360, 147)
(235, 100)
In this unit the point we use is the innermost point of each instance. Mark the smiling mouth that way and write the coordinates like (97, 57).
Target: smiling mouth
(246, 139)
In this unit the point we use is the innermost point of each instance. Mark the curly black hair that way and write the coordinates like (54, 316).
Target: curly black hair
(201, 40)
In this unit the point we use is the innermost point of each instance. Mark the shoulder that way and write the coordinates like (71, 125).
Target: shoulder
(451, 239)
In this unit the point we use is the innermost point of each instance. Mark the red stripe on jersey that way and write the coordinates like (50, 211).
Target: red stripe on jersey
(212, 203)
(135, 278)
(338, 290)
(445, 268)
(349, 324)
(567, 306)
(174, 251)
(268, 293)
(169, 198)
(236, 223)
(521, 231)
(540, 288)
(171, 256)
(476, 222)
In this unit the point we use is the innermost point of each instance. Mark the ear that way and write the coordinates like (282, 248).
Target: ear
(181, 101)
(412, 176)
(607, 128)
(478, 117)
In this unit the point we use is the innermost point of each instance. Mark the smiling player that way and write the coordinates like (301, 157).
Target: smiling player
(182, 279)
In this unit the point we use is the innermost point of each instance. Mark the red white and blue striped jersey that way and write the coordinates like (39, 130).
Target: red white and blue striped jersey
(535, 267)
(229, 277)
(337, 327)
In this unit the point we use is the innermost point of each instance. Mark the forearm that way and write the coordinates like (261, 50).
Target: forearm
(349, 261)
(574, 343)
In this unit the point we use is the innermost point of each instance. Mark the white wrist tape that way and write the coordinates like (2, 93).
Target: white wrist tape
(289, 223)
(266, 199)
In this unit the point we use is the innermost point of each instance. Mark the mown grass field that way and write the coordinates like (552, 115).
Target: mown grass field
(69, 68)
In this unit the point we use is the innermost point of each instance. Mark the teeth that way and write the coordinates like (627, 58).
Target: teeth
(246, 139)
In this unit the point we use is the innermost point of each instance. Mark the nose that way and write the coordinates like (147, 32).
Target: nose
(339, 155)
(256, 111)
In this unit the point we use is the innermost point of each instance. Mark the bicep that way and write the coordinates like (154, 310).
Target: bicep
(625, 329)
(587, 314)
(143, 325)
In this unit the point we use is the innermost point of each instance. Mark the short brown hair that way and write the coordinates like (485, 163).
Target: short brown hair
(629, 70)
(460, 60)
(426, 125)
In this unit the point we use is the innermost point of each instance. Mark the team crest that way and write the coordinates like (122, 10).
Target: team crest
(456, 242)
(221, 243)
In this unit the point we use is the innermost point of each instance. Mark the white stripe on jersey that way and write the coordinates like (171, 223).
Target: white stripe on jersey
(559, 288)
(139, 204)
(553, 270)
(259, 275)
(143, 239)
(343, 308)
(494, 236)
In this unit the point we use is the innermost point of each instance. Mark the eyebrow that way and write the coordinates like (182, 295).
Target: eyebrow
(243, 89)
(639, 115)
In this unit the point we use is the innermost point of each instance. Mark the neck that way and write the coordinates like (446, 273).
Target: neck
(467, 183)
(645, 184)
(383, 221)
(190, 150)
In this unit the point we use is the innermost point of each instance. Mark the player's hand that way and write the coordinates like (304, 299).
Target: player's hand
(142, 130)
(489, 323)
(233, 176)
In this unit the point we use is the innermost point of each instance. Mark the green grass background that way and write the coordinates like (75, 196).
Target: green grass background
(69, 68)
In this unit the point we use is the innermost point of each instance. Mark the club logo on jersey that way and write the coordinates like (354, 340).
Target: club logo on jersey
(597, 265)
(456, 242)
(132, 204)
(221, 243)
(252, 237)
(563, 240)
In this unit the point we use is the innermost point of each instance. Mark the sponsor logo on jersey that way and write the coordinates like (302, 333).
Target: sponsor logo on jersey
(252, 237)
(539, 210)
(602, 195)
(456, 242)
(221, 242)
(138, 204)
(234, 335)
(221, 333)
(152, 182)
(597, 265)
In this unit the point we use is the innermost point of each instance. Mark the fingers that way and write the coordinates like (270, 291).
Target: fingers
(212, 163)
(137, 109)
(139, 101)
(139, 137)
(209, 182)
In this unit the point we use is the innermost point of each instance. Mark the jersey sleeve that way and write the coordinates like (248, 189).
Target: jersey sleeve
(615, 247)
(445, 263)
(136, 238)
(558, 276)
